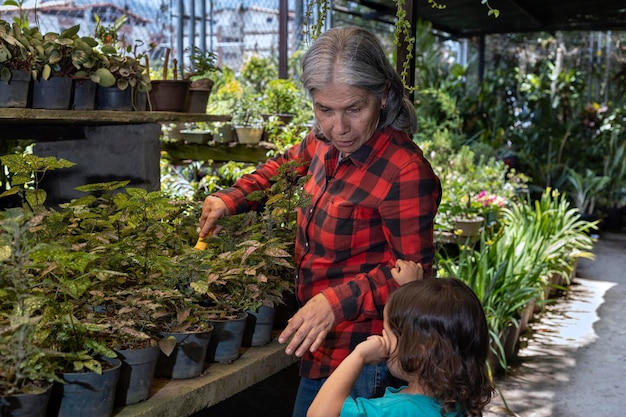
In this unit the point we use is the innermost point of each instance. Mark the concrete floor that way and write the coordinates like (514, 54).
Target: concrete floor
(571, 362)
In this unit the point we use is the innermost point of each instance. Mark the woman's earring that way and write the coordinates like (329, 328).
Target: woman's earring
(383, 107)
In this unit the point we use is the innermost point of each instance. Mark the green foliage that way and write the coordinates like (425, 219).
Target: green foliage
(109, 35)
(512, 266)
(67, 54)
(203, 64)
(17, 48)
(586, 188)
(280, 96)
(257, 72)
(286, 136)
(121, 64)
(135, 233)
(252, 258)
(614, 194)
(45, 287)
(239, 100)
(22, 17)
(26, 171)
(140, 262)
(405, 38)
(25, 366)
(464, 179)
(319, 9)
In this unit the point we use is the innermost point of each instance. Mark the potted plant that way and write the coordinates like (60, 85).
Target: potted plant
(280, 98)
(491, 205)
(203, 67)
(89, 368)
(252, 259)
(247, 118)
(58, 293)
(60, 57)
(122, 78)
(17, 60)
(141, 240)
(169, 94)
(183, 331)
(64, 58)
(467, 222)
(26, 368)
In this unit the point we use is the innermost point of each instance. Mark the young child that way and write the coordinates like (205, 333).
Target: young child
(435, 337)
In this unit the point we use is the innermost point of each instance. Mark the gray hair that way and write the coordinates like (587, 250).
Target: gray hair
(354, 56)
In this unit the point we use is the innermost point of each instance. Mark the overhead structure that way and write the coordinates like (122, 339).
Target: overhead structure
(470, 18)
(467, 18)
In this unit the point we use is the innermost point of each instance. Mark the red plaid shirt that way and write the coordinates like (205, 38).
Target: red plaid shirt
(367, 210)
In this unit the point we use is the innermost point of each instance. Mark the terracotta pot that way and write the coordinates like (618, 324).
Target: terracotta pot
(169, 95)
(198, 97)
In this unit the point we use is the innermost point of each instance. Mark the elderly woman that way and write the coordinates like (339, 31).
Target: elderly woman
(374, 199)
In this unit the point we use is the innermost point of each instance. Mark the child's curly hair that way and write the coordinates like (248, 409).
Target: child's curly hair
(443, 341)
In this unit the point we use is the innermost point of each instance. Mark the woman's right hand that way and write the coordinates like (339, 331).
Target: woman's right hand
(213, 209)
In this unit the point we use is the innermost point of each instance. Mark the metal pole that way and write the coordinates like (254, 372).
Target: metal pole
(191, 42)
(181, 30)
(283, 39)
(203, 25)
(211, 27)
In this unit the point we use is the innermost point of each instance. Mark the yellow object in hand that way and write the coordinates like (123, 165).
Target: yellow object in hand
(201, 244)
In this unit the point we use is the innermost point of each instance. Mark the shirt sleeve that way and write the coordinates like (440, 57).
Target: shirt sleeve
(235, 197)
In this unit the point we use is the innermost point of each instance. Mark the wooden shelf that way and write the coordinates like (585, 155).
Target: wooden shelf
(100, 117)
(219, 152)
(183, 397)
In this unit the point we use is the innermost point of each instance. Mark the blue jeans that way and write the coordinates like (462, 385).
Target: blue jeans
(372, 382)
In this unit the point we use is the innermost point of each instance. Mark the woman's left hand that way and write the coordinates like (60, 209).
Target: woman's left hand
(407, 271)
(309, 326)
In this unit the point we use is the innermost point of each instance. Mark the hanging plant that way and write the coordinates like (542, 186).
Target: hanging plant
(315, 26)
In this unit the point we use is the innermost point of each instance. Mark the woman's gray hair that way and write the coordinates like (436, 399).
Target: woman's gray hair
(354, 56)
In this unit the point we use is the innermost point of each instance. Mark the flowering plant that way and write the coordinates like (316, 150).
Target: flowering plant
(490, 201)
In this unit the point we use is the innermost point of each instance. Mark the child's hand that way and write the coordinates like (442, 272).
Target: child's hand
(407, 271)
(373, 350)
